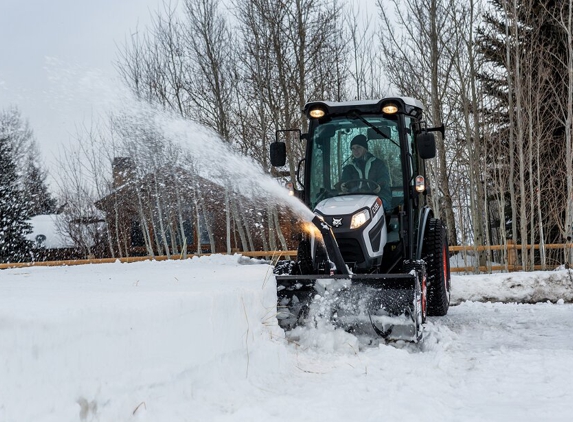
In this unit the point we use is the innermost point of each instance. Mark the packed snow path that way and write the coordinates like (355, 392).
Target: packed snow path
(483, 362)
(196, 340)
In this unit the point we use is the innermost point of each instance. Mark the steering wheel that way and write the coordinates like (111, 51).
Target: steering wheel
(360, 186)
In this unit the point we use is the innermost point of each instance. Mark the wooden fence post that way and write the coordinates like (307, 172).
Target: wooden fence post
(511, 255)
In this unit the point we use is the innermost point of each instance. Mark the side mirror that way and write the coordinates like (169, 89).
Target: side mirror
(426, 145)
(278, 154)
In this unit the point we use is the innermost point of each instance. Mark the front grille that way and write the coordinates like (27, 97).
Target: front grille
(351, 250)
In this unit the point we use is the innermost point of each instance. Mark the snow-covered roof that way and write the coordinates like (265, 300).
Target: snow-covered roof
(45, 232)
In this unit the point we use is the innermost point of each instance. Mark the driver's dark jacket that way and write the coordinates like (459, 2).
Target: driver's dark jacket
(372, 168)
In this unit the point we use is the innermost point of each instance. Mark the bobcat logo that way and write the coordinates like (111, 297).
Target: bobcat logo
(337, 222)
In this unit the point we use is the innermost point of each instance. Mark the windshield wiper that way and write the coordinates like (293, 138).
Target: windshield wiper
(355, 115)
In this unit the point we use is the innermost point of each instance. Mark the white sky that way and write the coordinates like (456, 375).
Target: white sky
(43, 39)
(56, 61)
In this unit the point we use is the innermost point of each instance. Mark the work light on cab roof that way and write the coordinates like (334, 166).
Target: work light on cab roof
(317, 113)
(390, 108)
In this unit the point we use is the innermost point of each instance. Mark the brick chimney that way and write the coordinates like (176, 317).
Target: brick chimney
(123, 169)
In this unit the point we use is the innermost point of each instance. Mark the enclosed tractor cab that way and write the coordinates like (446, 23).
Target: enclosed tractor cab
(375, 254)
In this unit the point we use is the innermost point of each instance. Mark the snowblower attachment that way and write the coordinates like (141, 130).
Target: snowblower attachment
(388, 305)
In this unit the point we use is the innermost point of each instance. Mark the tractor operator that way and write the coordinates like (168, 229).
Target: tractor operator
(365, 166)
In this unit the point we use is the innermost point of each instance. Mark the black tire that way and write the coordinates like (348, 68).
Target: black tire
(435, 253)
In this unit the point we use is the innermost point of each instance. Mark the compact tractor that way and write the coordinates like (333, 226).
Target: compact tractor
(375, 258)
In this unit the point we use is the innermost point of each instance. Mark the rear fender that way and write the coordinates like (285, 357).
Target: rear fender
(425, 214)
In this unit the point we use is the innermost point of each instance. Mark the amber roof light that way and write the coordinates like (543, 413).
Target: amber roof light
(390, 108)
(317, 113)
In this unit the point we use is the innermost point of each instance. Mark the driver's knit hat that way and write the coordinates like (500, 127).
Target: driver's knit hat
(359, 140)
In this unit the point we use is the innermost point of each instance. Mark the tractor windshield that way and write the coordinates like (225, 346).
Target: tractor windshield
(335, 171)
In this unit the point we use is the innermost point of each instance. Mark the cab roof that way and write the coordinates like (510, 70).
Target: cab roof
(406, 105)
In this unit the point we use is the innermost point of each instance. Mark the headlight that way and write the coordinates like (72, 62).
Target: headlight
(359, 219)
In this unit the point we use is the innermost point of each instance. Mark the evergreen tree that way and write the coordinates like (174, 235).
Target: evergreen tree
(36, 193)
(25, 156)
(526, 50)
(538, 38)
(14, 247)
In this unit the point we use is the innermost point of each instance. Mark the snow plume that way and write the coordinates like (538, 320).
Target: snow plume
(202, 151)
(157, 137)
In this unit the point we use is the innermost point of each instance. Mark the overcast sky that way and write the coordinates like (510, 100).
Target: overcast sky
(46, 46)
(56, 61)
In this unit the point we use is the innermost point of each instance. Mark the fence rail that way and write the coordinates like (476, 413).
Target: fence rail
(69, 262)
(511, 248)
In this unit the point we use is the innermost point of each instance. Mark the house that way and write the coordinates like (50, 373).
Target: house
(170, 211)
(50, 243)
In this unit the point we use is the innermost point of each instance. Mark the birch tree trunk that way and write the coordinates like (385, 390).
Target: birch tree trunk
(144, 223)
(160, 220)
(278, 230)
(568, 226)
(237, 217)
(511, 115)
(228, 220)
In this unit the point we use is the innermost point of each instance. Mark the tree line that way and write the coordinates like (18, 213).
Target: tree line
(23, 189)
(496, 73)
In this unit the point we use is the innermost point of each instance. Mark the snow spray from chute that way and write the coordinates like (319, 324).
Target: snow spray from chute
(215, 160)
(76, 90)
(88, 93)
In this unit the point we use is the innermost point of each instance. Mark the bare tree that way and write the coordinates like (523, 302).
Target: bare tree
(413, 41)
(81, 182)
(365, 70)
(562, 15)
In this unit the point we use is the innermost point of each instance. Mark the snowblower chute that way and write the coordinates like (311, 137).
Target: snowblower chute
(375, 259)
(387, 305)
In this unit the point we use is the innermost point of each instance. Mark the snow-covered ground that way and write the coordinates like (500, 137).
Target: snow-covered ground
(197, 340)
